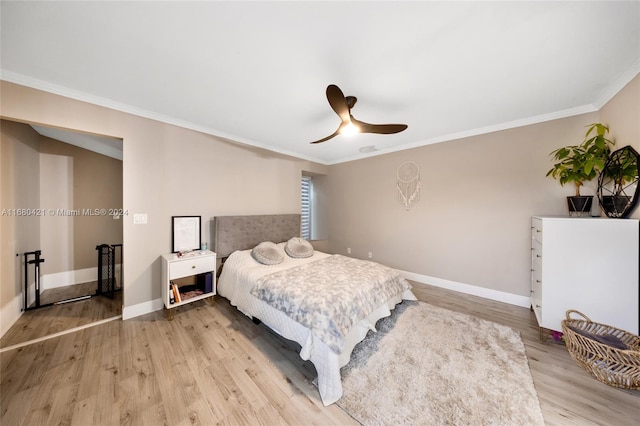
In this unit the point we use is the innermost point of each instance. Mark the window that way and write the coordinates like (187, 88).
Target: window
(306, 197)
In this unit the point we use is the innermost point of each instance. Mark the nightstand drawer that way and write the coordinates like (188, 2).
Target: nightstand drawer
(191, 266)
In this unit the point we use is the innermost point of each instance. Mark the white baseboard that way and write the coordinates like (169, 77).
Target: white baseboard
(79, 276)
(62, 279)
(143, 308)
(487, 293)
(129, 312)
(10, 313)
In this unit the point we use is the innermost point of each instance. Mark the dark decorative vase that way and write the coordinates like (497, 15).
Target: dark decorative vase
(615, 205)
(619, 183)
(580, 205)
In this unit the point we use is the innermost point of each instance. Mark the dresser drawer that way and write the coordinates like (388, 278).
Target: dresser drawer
(191, 266)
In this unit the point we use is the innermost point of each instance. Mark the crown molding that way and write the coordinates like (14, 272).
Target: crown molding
(140, 112)
(614, 88)
(610, 92)
(584, 109)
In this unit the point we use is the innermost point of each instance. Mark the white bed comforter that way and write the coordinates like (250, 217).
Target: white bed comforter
(331, 307)
(240, 274)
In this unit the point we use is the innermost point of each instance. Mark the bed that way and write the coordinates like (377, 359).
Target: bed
(252, 286)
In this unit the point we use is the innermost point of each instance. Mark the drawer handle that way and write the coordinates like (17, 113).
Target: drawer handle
(537, 255)
(193, 267)
(538, 281)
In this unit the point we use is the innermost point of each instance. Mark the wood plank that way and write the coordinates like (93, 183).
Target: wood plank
(212, 365)
(51, 319)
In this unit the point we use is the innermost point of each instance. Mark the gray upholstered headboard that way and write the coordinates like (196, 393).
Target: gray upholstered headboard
(233, 233)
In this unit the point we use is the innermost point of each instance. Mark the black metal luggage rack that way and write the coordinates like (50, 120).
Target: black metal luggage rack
(36, 261)
(107, 284)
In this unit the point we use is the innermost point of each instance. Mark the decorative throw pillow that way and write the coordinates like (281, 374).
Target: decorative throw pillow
(298, 247)
(267, 253)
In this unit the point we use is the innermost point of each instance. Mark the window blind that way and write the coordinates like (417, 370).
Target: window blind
(305, 223)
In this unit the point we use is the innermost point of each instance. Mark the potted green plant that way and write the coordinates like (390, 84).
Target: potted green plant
(578, 164)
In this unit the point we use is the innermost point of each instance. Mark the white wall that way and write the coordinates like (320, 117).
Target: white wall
(56, 231)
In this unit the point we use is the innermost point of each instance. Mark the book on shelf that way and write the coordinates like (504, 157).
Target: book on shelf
(176, 293)
(205, 282)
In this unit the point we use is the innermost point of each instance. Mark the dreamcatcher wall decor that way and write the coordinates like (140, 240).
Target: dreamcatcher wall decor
(408, 184)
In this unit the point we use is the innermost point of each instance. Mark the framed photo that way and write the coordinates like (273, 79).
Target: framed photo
(185, 233)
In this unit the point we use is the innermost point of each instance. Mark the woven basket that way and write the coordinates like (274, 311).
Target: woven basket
(615, 367)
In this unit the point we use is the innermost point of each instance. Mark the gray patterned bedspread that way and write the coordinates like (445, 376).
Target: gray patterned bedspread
(330, 295)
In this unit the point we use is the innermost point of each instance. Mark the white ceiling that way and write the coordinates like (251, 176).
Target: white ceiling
(256, 72)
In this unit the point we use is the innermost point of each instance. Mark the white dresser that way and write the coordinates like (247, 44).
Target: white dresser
(586, 264)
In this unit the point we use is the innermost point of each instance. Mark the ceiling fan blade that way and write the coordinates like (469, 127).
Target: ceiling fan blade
(342, 105)
(385, 129)
(338, 102)
(333, 135)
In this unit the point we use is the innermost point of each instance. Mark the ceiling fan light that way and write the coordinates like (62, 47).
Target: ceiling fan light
(350, 130)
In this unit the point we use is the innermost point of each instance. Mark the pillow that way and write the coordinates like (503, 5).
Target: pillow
(298, 247)
(267, 253)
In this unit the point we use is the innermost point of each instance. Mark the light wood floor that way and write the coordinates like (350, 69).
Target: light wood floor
(49, 320)
(68, 292)
(212, 365)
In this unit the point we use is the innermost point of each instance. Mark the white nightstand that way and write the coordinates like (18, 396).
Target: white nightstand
(200, 265)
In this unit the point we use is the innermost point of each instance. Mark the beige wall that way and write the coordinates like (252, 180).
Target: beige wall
(472, 223)
(168, 171)
(19, 187)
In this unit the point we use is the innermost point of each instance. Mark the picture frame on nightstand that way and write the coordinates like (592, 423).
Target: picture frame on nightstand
(185, 233)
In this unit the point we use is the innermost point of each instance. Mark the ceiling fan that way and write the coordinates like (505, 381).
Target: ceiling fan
(342, 105)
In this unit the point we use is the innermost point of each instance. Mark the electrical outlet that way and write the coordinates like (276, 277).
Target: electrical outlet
(348, 250)
(140, 218)
(370, 255)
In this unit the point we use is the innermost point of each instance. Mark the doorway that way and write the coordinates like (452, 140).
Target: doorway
(68, 184)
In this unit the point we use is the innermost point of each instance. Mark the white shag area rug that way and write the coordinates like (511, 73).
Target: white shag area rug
(431, 366)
